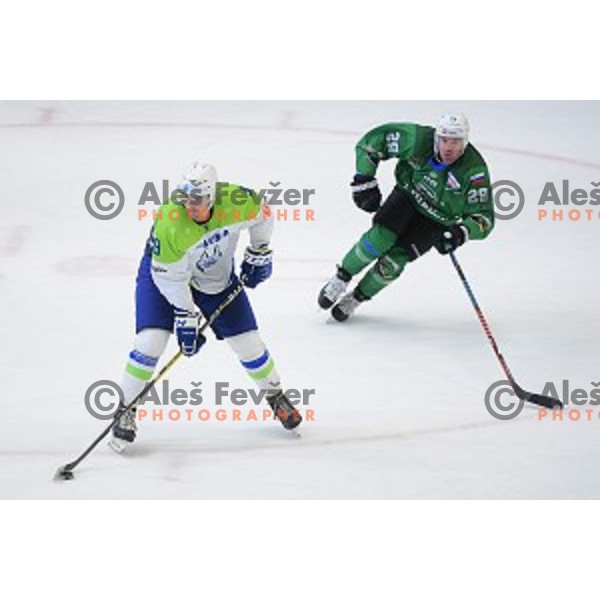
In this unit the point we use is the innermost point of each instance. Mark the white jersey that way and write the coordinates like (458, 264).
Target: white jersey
(187, 254)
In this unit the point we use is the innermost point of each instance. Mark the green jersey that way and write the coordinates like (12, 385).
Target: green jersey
(458, 193)
(201, 255)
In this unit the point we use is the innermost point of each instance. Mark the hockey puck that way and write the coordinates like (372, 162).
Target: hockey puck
(64, 474)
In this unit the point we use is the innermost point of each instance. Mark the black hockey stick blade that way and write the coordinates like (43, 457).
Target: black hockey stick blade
(545, 401)
(64, 473)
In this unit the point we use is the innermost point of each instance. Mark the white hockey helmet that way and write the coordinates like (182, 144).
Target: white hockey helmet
(452, 125)
(200, 178)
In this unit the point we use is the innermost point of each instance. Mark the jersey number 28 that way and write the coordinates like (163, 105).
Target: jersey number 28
(478, 195)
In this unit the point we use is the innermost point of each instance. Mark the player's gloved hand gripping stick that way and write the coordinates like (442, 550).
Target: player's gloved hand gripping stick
(257, 266)
(545, 401)
(189, 331)
(451, 239)
(66, 471)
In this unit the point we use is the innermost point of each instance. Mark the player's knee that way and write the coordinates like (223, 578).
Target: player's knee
(377, 241)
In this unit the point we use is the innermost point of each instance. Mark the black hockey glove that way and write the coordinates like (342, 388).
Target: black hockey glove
(366, 193)
(451, 239)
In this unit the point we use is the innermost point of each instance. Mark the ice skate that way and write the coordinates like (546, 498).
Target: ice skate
(347, 305)
(124, 431)
(283, 410)
(334, 288)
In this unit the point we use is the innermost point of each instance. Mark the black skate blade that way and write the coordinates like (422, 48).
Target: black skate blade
(64, 473)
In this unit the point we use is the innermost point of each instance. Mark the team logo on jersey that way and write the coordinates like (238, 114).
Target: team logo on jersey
(215, 238)
(208, 258)
(478, 179)
(452, 182)
(210, 251)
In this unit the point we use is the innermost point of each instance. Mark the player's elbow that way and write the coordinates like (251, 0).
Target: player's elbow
(480, 226)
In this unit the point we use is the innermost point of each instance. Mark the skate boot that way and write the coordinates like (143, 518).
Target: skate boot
(283, 410)
(124, 431)
(347, 305)
(334, 288)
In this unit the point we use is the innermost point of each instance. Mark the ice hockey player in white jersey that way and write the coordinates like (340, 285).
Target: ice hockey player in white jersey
(186, 272)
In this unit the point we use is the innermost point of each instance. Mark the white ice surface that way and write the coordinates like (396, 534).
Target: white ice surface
(399, 409)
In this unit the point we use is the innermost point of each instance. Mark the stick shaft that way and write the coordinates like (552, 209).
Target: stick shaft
(70, 466)
(232, 296)
(482, 319)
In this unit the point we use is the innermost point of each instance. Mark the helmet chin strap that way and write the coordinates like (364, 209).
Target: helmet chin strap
(208, 218)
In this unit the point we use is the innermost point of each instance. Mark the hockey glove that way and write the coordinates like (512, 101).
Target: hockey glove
(366, 193)
(257, 266)
(187, 329)
(451, 239)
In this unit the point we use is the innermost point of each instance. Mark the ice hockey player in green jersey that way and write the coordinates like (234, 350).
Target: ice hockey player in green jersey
(442, 198)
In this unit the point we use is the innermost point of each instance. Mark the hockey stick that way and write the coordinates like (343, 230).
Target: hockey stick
(545, 401)
(66, 471)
